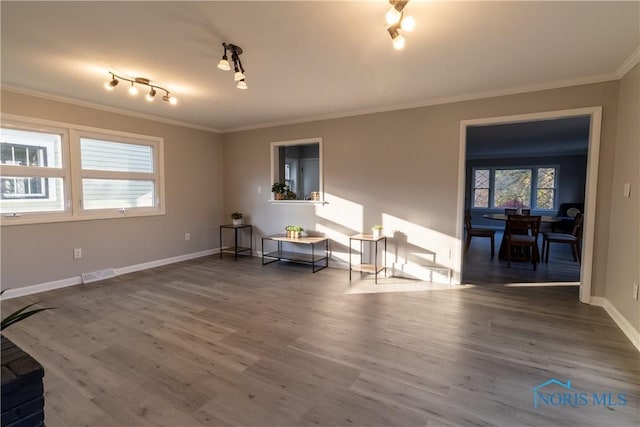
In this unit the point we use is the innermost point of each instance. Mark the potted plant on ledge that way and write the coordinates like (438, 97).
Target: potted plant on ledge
(279, 190)
(377, 231)
(237, 218)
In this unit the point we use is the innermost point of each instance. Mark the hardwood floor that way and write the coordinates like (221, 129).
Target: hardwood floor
(479, 268)
(212, 342)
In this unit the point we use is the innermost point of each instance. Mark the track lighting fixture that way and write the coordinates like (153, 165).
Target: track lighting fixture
(133, 89)
(224, 62)
(238, 69)
(396, 20)
(111, 84)
(396, 37)
(170, 99)
(395, 13)
(150, 96)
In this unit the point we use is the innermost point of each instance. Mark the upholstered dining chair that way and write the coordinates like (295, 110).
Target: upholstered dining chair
(574, 239)
(522, 231)
(477, 232)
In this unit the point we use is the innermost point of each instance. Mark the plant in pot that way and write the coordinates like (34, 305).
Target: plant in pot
(22, 387)
(377, 231)
(237, 218)
(290, 195)
(293, 231)
(279, 190)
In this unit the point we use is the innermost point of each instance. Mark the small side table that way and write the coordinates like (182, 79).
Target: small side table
(372, 267)
(235, 249)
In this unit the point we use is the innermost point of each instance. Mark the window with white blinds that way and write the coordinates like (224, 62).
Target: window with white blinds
(59, 172)
(117, 175)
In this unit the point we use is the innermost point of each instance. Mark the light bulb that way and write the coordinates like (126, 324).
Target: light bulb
(408, 23)
(238, 76)
(393, 16)
(151, 94)
(133, 90)
(398, 42)
(224, 64)
(111, 84)
(172, 100)
(242, 85)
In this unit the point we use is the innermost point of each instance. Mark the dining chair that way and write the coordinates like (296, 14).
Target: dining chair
(522, 231)
(477, 232)
(574, 239)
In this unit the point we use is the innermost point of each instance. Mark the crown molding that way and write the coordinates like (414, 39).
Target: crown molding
(437, 101)
(629, 63)
(626, 66)
(80, 103)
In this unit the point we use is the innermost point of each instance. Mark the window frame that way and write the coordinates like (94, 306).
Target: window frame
(72, 173)
(554, 189)
(42, 162)
(275, 159)
(533, 191)
(81, 174)
(489, 187)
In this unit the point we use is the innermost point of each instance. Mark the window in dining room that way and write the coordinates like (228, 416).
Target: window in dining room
(524, 187)
(512, 188)
(481, 188)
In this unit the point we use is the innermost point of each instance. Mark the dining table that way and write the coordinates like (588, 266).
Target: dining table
(502, 252)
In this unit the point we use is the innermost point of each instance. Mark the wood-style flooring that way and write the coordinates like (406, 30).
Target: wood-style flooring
(480, 268)
(213, 342)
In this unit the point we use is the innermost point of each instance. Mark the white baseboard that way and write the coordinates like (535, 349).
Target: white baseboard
(425, 272)
(76, 280)
(165, 261)
(41, 287)
(632, 333)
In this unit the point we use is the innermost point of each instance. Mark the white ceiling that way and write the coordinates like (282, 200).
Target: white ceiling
(308, 60)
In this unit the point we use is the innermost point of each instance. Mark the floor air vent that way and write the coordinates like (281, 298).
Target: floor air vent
(107, 273)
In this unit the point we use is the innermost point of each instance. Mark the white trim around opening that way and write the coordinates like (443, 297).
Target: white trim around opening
(595, 114)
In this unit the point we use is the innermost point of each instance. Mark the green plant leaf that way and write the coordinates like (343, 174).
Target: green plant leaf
(20, 314)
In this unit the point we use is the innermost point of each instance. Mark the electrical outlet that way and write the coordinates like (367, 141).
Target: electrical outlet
(259, 189)
(187, 236)
(77, 253)
(635, 291)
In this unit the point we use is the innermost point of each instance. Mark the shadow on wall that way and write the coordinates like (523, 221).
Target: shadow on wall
(413, 250)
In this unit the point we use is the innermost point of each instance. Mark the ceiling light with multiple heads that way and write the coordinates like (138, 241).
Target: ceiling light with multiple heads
(397, 21)
(133, 88)
(236, 51)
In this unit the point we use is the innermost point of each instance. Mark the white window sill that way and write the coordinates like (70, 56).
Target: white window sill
(297, 202)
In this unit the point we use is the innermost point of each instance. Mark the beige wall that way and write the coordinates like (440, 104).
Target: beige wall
(398, 168)
(35, 254)
(623, 266)
(403, 165)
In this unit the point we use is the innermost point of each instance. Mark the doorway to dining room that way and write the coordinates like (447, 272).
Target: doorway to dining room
(545, 162)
